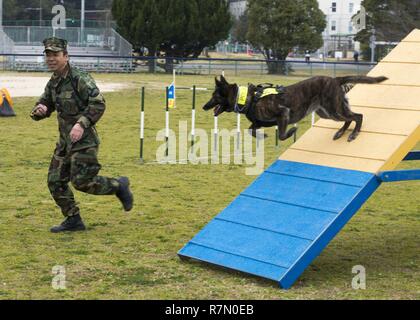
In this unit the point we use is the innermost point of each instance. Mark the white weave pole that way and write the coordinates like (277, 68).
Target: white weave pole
(193, 120)
(216, 128)
(238, 131)
(142, 125)
(313, 119)
(174, 79)
(216, 134)
(167, 123)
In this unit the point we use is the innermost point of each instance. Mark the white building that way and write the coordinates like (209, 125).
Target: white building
(237, 7)
(339, 33)
(338, 15)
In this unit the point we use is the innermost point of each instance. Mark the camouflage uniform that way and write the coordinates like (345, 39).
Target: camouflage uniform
(76, 99)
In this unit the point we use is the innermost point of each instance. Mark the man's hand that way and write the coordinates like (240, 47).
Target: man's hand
(76, 133)
(40, 110)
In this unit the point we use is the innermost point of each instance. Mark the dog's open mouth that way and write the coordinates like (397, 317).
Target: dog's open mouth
(218, 110)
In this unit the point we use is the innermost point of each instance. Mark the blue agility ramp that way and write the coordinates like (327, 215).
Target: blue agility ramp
(279, 224)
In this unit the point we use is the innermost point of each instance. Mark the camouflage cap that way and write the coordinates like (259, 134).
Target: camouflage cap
(55, 44)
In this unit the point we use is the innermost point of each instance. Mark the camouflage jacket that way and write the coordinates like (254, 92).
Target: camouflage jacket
(77, 99)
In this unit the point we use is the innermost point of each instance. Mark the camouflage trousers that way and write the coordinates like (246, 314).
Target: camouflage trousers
(81, 168)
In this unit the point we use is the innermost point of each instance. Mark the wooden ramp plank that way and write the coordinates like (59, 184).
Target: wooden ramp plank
(385, 97)
(414, 36)
(406, 52)
(251, 243)
(368, 145)
(233, 261)
(386, 121)
(334, 161)
(322, 173)
(277, 217)
(302, 192)
(346, 156)
(275, 240)
(406, 74)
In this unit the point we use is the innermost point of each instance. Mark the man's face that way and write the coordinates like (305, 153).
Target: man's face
(56, 61)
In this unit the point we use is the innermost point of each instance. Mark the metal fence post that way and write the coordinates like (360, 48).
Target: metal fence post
(236, 67)
(209, 66)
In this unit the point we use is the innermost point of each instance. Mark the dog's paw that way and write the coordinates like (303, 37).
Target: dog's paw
(338, 135)
(291, 132)
(352, 137)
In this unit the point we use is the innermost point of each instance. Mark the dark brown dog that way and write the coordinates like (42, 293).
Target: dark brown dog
(324, 95)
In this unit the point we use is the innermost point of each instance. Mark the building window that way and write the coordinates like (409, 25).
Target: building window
(334, 7)
(333, 25)
(350, 27)
(351, 7)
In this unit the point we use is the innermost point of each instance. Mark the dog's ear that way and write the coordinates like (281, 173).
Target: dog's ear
(224, 80)
(218, 83)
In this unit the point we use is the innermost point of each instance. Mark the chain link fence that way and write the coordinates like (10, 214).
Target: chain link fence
(201, 66)
(105, 38)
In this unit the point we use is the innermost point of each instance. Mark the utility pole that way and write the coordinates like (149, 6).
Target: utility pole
(82, 22)
(40, 13)
(372, 45)
(1, 14)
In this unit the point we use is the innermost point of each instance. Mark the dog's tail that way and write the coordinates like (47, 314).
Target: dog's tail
(361, 79)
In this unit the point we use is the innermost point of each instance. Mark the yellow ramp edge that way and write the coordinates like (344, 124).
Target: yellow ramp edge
(391, 125)
(395, 159)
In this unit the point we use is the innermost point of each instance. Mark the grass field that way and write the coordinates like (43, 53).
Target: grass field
(133, 256)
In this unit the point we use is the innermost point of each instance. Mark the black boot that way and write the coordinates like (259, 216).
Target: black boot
(73, 223)
(124, 193)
